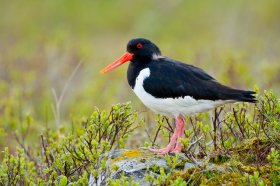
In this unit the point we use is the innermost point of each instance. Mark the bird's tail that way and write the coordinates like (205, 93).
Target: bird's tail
(247, 96)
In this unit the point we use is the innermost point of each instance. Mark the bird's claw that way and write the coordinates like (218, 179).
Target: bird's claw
(162, 151)
(166, 150)
(175, 151)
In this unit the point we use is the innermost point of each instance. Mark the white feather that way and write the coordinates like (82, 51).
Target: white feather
(156, 57)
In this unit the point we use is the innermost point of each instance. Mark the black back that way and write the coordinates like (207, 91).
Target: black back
(172, 79)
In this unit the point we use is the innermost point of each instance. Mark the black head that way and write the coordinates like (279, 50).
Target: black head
(138, 49)
(142, 48)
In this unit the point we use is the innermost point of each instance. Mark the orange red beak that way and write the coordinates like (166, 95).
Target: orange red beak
(125, 58)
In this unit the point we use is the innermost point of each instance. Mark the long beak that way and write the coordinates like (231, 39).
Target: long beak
(126, 57)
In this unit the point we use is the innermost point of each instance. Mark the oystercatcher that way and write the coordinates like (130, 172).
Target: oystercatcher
(173, 88)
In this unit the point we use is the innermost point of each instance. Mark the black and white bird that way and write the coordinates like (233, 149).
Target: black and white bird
(173, 88)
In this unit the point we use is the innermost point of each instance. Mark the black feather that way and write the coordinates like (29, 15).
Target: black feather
(172, 79)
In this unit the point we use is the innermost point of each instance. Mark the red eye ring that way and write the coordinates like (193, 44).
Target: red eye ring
(139, 45)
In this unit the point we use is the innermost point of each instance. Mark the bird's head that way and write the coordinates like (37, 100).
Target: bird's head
(138, 49)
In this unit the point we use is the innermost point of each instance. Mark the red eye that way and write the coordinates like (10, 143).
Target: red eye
(139, 45)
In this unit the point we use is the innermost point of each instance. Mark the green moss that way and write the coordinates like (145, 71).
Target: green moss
(231, 179)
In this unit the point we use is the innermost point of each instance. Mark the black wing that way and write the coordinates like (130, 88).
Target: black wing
(172, 79)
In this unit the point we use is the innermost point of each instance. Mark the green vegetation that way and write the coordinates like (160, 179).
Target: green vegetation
(244, 149)
(69, 158)
(50, 56)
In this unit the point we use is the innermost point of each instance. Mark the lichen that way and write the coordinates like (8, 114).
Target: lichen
(125, 154)
(132, 153)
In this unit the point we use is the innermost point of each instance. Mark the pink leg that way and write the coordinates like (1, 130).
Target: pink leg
(169, 147)
(180, 127)
(174, 139)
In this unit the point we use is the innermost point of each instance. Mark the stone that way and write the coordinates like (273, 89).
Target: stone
(136, 164)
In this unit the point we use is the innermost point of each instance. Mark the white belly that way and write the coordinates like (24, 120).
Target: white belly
(172, 106)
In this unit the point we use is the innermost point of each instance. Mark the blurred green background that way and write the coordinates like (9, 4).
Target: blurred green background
(42, 42)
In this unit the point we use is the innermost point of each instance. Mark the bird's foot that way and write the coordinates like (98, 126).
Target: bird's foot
(175, 145)
(166, 150)
(178, 147)
(176, 150)
(162, 151)
(170, 148)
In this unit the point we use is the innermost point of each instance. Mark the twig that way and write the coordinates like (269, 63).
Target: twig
(155, 138)
(189, 155)
(26, 150)
(58, 99)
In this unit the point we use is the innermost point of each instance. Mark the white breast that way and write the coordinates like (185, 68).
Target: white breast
(171, 106)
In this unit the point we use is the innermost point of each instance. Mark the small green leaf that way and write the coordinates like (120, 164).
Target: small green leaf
(63, 181)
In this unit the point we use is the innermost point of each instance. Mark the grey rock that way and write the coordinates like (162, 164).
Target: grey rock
(135, 164)
(189, 165)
